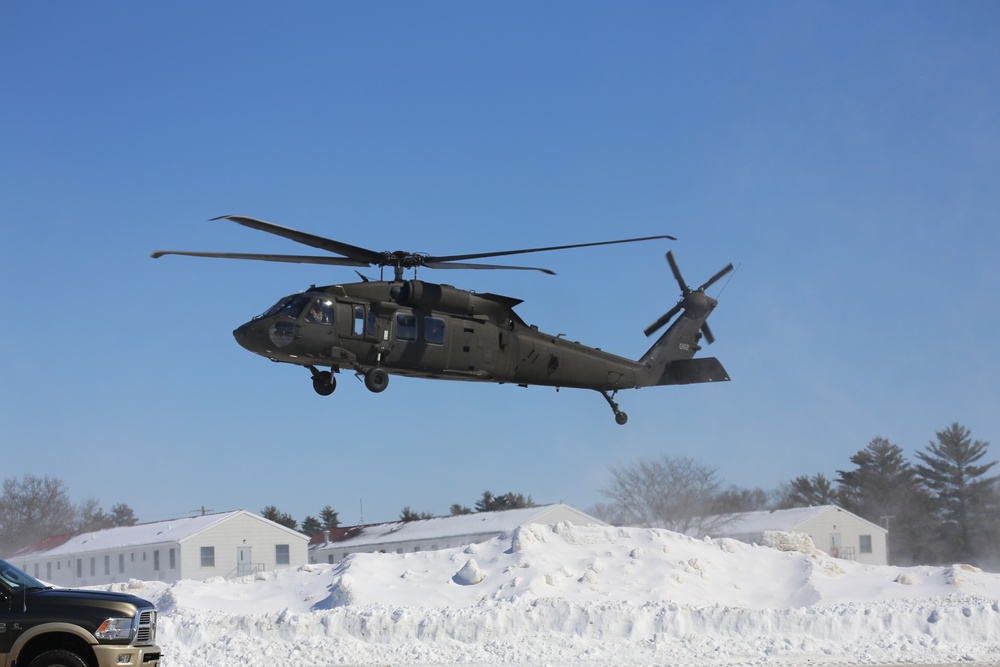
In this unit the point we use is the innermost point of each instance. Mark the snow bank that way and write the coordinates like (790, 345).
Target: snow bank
(568, 594)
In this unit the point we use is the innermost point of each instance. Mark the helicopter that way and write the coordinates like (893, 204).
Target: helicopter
(414, 328)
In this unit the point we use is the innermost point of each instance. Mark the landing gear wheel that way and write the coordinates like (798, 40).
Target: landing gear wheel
(324, 383)
(620, 417)
(376, 380)
(58, 658)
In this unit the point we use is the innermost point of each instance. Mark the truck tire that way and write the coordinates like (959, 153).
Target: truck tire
(58, 658)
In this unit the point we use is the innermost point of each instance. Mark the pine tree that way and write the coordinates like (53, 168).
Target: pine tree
(311, 526)
(805, 491)
(962, 494)
(272, 513)
(329, 517)
(885, 490)
(123, 515)
(508, 501)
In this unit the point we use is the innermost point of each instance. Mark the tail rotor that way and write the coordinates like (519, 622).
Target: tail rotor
(694, 302)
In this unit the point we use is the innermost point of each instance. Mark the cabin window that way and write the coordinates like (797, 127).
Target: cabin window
(359, 320)
(406, 327)
(434, 330)
(208, 556)
(866, 544)
(281, 554)
(372, 323)
(320, 312)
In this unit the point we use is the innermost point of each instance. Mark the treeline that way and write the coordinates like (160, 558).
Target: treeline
(942, 508)
(33, 508)
(328, 518)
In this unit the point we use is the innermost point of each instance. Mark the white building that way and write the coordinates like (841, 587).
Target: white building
(832, 529)
(438, 533)
(228, 544)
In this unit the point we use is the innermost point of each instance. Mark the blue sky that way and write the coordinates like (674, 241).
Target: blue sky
(845, 156)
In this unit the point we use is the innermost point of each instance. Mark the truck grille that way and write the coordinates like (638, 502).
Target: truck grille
(146, 627)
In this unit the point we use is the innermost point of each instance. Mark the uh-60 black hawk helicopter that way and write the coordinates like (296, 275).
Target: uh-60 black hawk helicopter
(425, 330)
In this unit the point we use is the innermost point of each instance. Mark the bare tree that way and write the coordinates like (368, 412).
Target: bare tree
(31, 509)
(676, 493)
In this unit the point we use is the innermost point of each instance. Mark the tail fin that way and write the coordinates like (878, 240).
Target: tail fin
(669, 360)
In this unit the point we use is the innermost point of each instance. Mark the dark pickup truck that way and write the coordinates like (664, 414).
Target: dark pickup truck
(42, 626)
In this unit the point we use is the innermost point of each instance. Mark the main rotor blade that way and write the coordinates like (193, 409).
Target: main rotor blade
(451, 258)
(364, 255)
(718, 275)
(294, 259)
(667, 316)
(461, 265)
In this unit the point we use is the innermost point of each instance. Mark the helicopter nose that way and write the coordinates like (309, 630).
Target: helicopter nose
(247, 336)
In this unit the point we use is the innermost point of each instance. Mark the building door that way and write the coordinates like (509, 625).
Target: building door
(835, 544)
(244, 564)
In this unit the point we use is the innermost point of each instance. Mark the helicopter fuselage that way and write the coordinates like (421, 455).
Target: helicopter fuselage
(425, 330)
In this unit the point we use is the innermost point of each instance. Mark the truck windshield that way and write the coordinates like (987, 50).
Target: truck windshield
(16, 579)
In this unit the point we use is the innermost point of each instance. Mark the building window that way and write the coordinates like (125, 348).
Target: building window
(156, 559)
(121, 563)
(173, 559)
(48, 570)
(866, 544)
(107, 565)
(208, 556)
(93, 565)
(281, 554)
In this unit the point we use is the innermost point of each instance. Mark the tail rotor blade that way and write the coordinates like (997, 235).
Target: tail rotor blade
(667, 316)
(707, 333)
(718, 275)
(677, 272)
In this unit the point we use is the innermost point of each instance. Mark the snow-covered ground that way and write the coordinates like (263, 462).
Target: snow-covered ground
(584, 595)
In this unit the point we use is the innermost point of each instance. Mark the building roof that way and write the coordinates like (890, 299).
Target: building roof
(750, 523)
(476, 524)
(124, 537)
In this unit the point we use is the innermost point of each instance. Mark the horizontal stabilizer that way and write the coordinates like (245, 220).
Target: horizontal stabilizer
(691, 371)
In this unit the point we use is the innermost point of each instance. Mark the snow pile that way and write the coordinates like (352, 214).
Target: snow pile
(576, 595)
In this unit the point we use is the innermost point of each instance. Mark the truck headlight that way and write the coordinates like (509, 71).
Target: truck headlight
(115, 628)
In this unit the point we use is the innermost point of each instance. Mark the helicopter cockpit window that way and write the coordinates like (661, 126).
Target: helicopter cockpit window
(406, 327)
(276, 308)
(434, 330)
(290, 307)
(320, 312)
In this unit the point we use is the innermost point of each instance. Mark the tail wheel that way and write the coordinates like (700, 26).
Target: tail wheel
(376, 380)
